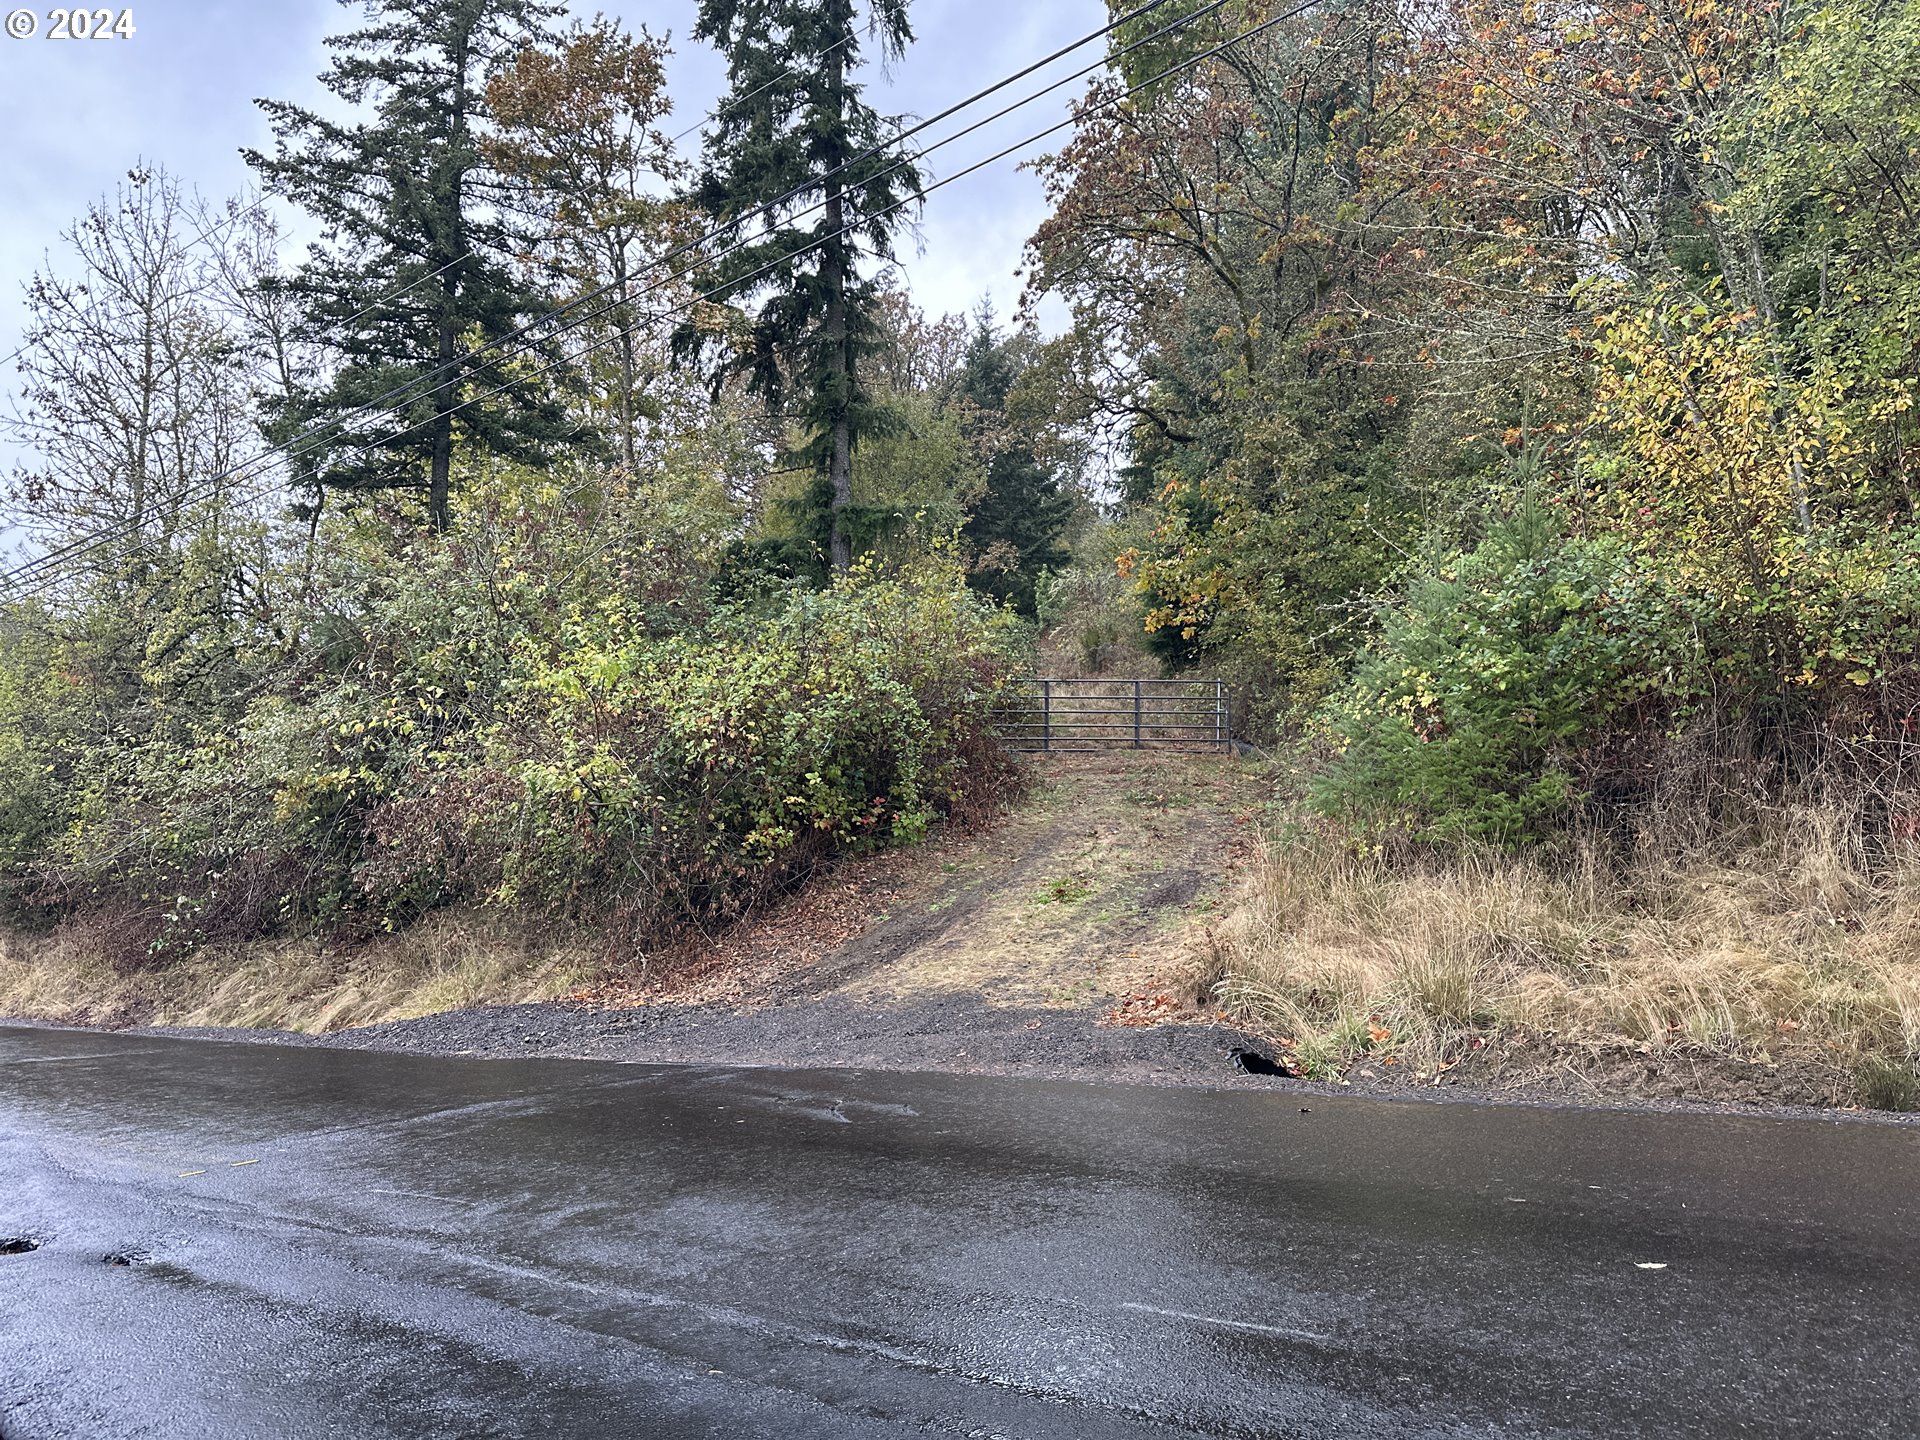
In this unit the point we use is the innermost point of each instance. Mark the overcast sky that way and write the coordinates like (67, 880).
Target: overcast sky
(75, 116)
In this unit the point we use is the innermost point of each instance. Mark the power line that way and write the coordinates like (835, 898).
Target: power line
(87, 545)
(328, 432)
(259, 204)
(958, 175)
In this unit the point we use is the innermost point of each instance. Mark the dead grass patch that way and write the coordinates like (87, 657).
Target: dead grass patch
(1796, 946)
(446, 961)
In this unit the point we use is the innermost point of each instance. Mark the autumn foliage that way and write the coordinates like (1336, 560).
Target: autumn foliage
(1519, 394)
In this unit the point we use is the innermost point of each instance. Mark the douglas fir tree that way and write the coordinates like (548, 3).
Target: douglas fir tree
(413, 271)
(804, 188)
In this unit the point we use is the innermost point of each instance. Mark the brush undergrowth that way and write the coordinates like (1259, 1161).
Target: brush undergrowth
(1798, 944)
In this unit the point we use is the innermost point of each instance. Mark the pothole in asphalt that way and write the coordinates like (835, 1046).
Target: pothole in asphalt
(18, 1245)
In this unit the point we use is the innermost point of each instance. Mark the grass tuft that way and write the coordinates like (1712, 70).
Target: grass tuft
(1794, 946)
(447, 961)
(1887, 1085)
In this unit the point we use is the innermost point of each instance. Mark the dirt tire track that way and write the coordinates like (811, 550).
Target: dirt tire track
(972, 968)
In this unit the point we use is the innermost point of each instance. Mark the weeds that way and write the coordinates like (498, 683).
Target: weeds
(1887, 1085)
(1064, 890)
(1795, 945)
(447, 961)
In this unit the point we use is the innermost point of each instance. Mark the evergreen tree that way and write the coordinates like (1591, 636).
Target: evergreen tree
(789, 168)
(1014, 528)
(415, 258)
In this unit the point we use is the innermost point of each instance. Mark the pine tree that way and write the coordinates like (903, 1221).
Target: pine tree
(415, 259)
(1015, 528)
(795, 166)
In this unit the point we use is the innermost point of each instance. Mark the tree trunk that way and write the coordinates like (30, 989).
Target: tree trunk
(450, 256)
(439, 508)
(836, 262)
(623, 322)
(149, 383)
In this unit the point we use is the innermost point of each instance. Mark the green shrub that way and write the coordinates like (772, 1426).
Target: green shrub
(506, 718)
(32, 729)
(1509, 682)
(1494, 669)
(687, 776)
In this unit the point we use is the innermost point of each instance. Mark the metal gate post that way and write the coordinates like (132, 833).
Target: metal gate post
(1136, 715)
(1046, 714)
(1220, 715)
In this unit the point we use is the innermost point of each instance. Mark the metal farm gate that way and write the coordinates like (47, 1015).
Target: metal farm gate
(1089, 715)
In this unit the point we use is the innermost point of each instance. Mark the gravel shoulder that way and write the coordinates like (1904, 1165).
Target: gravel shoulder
(956, 1034)
(1066, 941)
(963, 1035)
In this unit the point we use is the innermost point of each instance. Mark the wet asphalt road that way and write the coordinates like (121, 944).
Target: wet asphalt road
(320, 1242)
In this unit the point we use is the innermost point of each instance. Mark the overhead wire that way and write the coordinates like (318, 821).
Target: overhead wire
(88, 544)
(329, 433)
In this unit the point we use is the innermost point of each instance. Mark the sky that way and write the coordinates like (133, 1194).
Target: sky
(75, 116)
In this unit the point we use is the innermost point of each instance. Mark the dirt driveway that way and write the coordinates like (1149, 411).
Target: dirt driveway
(1059, 941)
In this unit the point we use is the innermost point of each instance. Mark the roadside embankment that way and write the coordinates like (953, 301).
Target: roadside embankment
(1787, 974)
(1140, 917)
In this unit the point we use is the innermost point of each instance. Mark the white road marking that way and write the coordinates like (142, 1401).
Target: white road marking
(423, 1195)
(1230, 1324)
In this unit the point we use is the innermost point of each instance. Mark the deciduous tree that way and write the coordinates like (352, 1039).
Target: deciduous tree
(578, 139)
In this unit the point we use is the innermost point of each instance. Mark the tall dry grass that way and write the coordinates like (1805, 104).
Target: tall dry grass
(446, 961)
(1800, 944)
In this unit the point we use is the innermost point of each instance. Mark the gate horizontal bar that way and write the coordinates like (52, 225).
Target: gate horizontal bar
(1095, 715)
(1061, 726)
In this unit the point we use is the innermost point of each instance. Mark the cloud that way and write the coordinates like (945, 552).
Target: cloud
(180, 94)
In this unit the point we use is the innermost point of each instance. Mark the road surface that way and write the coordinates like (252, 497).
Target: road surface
(238, 1240)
